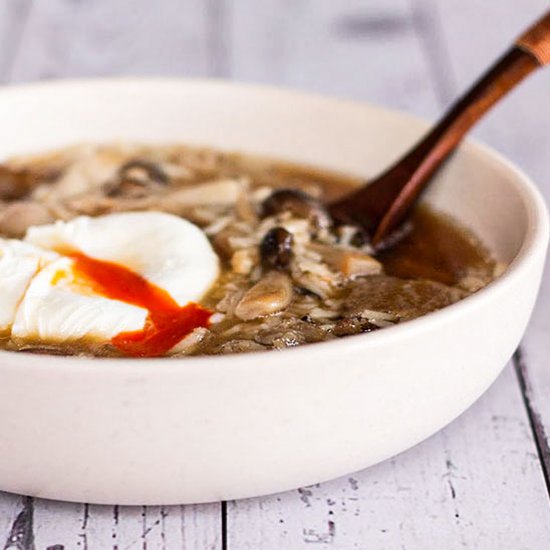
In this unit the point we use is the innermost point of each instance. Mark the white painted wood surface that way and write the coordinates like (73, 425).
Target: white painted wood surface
(13, 15)
(62, 38)
(353, 48)
(480, 483)
(101, 527)
(452, 491)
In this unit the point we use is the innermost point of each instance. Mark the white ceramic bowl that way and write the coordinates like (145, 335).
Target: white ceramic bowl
(205, 429)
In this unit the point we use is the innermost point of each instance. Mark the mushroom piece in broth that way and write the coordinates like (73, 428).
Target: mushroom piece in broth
(287, 275)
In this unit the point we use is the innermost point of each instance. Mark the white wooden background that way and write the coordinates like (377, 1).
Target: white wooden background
(480, 483)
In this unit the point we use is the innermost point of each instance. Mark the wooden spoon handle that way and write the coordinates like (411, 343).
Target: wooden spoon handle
(383, 204)
(531, 50)
(402, 184)
(536, 40)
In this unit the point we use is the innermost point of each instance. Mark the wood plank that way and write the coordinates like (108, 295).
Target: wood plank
(520, 128)
(202, 527)
(58, 524)
(13, 17)
(52, 524)
(64, 38)
(364, 50)
(476, 484)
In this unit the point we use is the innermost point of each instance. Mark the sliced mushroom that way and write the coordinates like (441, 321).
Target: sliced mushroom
(136, 178)
(244, 260)
(317, 284)
(351, 263)
(271, 294)
(176, 201)
(14, 183)
(230, 238)
(276, 248)
(191, 342)
(209, 193)
(87, 172)
(142, 171)
(17, 217)
(298, 203)
(352, 235)
(92, 203)
(245, 209)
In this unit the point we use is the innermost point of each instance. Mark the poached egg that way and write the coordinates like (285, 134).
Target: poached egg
(19, 263)
(120, 278)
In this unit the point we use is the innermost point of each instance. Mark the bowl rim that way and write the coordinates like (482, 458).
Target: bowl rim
(534, 243)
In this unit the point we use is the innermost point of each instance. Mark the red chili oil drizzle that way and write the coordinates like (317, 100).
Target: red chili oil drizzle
(167, 322)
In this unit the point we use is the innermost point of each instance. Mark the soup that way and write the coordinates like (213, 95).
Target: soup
(130, 250)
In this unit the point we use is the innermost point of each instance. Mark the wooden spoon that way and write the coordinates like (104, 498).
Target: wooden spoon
(381, 206)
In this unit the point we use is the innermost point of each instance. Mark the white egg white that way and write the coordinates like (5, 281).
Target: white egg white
(19, 263)
(166, 250)
(58, 308)
(54, 306)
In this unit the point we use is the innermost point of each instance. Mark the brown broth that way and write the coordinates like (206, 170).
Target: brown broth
(434, 248)
(437, 248)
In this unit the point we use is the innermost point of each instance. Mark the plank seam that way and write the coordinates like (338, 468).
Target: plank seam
(223, 511)
(84, 526)
(535, 422)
